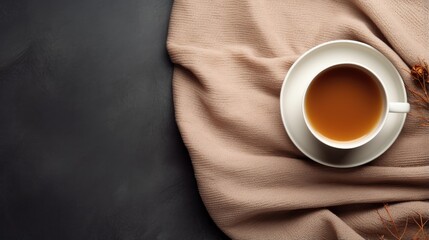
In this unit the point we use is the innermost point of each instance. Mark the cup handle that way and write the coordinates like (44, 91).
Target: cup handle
(399, 107)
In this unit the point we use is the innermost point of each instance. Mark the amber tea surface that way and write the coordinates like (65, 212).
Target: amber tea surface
(344, 103)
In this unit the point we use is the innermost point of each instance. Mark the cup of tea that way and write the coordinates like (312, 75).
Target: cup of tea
(346, 105)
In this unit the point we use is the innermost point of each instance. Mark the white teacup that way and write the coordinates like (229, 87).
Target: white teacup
(387, 107)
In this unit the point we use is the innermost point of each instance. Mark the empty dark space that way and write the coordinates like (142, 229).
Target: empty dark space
(89, 148)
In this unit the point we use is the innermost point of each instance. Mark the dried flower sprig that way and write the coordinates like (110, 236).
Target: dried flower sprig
(420, 76)
(392, 227)
(390, 224)
(422, 232)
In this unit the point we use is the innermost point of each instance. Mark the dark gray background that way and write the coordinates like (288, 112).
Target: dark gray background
(89, 148)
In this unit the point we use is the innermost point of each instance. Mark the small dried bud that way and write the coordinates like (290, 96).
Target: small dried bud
(420, 72)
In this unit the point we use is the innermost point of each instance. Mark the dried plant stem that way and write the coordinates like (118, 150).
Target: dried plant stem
(405, 229)
(386, 207)
(395, 232)
(391, 226)
(421, 226)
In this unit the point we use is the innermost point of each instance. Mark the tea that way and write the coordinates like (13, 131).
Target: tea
(344, 103)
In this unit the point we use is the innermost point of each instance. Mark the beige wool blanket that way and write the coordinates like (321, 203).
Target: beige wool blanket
(231, 58)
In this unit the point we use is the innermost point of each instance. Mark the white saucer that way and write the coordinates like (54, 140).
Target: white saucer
(306, 68)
